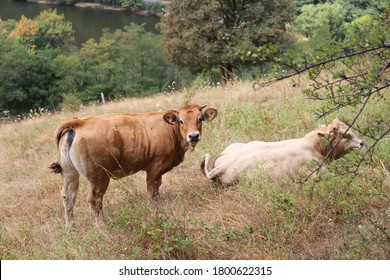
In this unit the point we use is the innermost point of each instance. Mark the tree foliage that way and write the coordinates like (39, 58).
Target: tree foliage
(127, 62)
(54, 31)
(25, 29)
(132, 4)
(350, 80)
(314, 17)
(27, 80)
(217, 36)
(47, 30)
(28, 75)
(353, 73)
(202, 35)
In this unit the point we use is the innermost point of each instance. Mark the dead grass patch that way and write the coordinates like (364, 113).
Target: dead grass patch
(195, 219)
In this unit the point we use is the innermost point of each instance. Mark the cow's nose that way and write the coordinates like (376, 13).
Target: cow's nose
(194, 137)
(362, 144)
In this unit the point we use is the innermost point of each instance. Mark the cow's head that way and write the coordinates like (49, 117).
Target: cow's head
(339, 139)
(189, 118)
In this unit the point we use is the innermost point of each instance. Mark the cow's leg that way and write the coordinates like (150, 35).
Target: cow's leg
(97, 188)
(69, 193)
(153, 181)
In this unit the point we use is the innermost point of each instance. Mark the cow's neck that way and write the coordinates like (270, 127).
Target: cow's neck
(317, 144)
(181, 143)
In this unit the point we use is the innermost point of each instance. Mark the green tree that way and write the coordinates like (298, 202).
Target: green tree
(69, 72)
(97, 67)
(315, 17)
(351, 74)
(6, 27)
(127, 62)
(300, 3)
(47, 30)
(132, 4)
(358, 6)
(350, 80)
(54, 31)
(360, 29)
(142, 68)
(27, 79)
(372, 7)
(318, 17)
(203, 35)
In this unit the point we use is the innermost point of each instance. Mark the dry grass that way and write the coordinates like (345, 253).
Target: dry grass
(256, 219)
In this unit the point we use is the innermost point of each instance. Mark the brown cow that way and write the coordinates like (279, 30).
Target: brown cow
(282, 158)
(106, 147)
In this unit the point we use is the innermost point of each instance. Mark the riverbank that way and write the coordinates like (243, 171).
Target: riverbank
(114, 8)
(98, 6)
(87, 22)
(88, 5)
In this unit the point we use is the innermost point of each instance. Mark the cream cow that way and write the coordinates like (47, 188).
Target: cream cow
(282, 158)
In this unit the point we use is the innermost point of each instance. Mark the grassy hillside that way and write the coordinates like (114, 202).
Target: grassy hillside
(338, 217)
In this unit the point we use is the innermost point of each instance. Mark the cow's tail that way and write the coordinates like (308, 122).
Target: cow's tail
(66, 127)
(204, 166)
(56, 167)
(62, 130)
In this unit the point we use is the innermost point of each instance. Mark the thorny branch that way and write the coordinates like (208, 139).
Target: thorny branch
(339, 56)
(315, 171)
(344, 104)
(366, 88)
(333, 58)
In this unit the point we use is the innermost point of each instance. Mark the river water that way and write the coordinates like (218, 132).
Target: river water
(87, 22)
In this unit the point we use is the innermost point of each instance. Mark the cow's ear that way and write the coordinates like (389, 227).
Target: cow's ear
(209, 114)
(332, 131)
(171, 118)
(323, 131)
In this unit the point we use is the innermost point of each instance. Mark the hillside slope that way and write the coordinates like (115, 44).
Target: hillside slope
(337, 218)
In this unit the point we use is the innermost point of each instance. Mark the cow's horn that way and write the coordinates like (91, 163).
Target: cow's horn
(202, 107)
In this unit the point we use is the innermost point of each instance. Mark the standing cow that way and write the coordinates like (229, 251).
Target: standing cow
(282, 158)
(106, 147)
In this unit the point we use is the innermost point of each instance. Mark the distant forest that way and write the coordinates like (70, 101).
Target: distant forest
(200, 42)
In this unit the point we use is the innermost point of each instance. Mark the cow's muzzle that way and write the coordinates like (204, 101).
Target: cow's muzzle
(193, 138)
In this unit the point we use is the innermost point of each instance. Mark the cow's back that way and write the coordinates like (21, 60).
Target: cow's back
(278, 158)
(119, 144)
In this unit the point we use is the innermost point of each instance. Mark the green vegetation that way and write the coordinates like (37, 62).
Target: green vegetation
(27, 80)
(40, 67)
(217, 41)
(141, 5)
(341, 214)
(127, 62)
(204, 35)
(331, 17)
(349, 73)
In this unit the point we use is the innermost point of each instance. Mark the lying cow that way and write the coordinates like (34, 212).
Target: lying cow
(107, 147)
(283, 158)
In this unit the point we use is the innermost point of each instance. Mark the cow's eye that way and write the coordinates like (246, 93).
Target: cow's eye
(200, 119)
(347, 136)
(181, 122)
